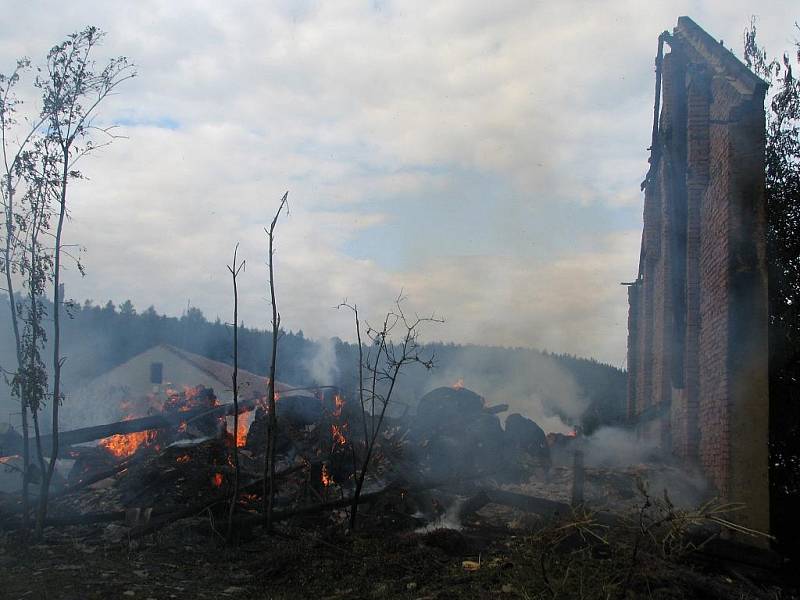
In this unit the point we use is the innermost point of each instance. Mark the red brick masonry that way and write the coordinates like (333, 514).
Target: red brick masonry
(697, 323)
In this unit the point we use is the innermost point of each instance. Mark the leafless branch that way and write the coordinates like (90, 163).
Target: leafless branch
(272, 425)
(383, 364)
(235, 269)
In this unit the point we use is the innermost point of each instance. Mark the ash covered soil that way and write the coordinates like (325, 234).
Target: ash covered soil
(513, 533)
(490, 557)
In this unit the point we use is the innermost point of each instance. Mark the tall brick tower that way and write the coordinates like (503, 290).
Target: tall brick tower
(697, 321)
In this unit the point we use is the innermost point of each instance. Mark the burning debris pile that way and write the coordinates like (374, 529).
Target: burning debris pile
(172, 457)
(203, 422)
(451, 476)
(175, 451)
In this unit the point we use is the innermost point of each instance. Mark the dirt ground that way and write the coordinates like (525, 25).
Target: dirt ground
(319, 559)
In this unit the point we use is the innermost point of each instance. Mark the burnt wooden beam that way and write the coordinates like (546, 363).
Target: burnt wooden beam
(281, 515)
(160, 517)
(159, 421)
(311, 509)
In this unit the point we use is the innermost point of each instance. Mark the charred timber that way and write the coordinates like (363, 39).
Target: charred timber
(160, 421)
(158, 517)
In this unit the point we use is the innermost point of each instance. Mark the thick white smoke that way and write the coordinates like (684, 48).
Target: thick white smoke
(322, 365)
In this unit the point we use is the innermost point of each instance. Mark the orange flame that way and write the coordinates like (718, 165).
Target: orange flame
(338, 435)
(123, 445)
(459, 385)
(184, 458)
(338, 402)
(326, 476)
(241, 433)
(242, 427)
(216, 480)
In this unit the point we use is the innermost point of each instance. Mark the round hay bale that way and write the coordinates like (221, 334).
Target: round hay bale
(524, 434)
(449, 402)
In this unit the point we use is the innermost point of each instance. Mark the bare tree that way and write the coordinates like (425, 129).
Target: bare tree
(72, 89)
(272, 421)
(235, 269)
(382, 366)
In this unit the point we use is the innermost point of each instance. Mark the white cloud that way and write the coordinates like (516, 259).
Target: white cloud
(361, 109)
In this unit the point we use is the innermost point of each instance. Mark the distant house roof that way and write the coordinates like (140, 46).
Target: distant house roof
(249, 383)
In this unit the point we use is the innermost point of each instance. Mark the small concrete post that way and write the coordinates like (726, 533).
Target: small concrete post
(577, 478)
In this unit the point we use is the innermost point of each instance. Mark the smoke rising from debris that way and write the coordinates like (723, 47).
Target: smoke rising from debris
(617, 447)
(532, 384)
(321, 364)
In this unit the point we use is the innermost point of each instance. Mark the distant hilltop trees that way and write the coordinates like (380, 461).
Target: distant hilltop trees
(581, 392)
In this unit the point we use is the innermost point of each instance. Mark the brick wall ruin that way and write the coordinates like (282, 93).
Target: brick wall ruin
(697, 323)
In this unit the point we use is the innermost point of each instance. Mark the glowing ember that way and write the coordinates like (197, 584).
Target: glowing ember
(338, 402)
(459, 385)
(263, 401)
(190, 398)
(184, 458)
(326, 476)
(338, 435)
(216, 480)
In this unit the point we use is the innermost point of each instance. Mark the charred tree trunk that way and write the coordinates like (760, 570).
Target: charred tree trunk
(234, 379)
(269, 461)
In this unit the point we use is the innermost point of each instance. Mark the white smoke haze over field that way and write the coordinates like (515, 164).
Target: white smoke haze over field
(617, 447)
(536, 387)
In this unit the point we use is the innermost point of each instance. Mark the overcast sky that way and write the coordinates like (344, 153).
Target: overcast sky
(485, 158)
